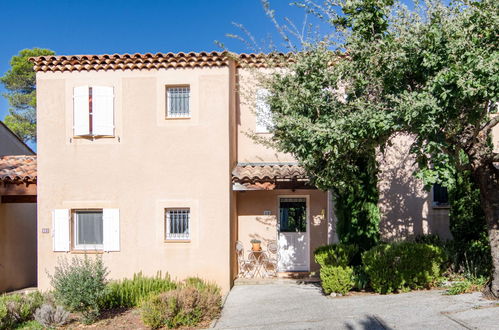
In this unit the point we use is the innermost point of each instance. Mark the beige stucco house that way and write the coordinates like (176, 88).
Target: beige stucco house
(145, 160)
(17, 212)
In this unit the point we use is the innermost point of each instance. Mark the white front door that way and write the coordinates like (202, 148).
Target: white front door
(293, 226)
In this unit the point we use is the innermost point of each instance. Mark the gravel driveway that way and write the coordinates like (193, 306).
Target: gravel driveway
(293, 306)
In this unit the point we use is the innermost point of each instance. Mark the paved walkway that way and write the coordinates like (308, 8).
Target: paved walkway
(293, 306)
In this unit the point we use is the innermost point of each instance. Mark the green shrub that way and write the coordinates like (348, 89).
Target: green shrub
(335, 255)
(471, 253)
(360, 278)
(336, 279)
(18, 308)
(403, 266)
(130, 292)
(79, 285)
(432, 239)
(31, 325)
(201, 285)
(356, 205)
(186, 306)
(467, 285)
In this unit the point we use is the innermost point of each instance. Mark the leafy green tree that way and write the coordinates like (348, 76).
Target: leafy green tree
(431, 72)
(20, 83)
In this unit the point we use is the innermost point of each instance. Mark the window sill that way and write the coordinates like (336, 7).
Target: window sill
(441, 207)
(87, 251)
(177, 118)
(177, 240)
(93, 137)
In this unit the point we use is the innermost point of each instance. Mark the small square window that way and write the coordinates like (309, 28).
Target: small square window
(177, 224)
(177, 102)
(88, 230)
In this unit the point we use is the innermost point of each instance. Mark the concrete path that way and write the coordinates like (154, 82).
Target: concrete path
(293, 306)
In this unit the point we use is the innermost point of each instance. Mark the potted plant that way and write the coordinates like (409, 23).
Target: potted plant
(255, 245)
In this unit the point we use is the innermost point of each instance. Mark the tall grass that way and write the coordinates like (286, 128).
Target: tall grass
(130, 292)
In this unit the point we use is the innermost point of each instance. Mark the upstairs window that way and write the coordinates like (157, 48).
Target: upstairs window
(440, 195)
(177, 102)
(93, 111)
(263, 114)
(177, 224)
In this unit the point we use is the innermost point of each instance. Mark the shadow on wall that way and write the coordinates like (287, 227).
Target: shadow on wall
(269, 221)
(403, 200)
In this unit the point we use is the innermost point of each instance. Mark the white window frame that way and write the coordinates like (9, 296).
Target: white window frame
(84, 247)
(170, 115)
(177, 236)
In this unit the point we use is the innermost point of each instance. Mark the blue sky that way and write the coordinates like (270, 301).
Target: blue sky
(130, 26)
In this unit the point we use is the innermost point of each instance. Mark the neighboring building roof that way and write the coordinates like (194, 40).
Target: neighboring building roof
(18, 169)
(20, 145)
(268, 172)
(150, 61)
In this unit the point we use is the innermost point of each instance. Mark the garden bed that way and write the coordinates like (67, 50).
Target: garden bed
(120, 318)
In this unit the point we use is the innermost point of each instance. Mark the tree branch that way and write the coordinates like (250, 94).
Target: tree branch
(490, 124)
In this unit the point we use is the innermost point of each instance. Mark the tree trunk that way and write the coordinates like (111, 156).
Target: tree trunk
(487, 177)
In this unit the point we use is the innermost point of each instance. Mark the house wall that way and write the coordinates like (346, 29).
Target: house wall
(17, 246)
(152, 163)
(10, 144)
(405, 205)
(253, 224)
(248, 150)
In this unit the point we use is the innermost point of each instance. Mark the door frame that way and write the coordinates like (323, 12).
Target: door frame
(307, 201)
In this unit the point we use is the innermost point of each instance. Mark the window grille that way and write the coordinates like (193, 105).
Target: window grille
(177, 224)
(178, 102)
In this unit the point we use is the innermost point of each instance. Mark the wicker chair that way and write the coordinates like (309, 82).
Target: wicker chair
(246, 267)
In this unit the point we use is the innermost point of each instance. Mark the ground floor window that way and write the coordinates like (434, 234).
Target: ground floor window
(440, 195)
(177, 224)
(88, 230)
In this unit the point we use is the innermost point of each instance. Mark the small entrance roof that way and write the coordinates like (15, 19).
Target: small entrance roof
(269, 176)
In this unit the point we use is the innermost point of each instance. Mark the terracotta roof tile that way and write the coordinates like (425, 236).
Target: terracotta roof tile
(261, 173)
(149, 61)
(18, 169)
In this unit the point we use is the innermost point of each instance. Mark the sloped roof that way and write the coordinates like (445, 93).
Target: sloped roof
(149, 61)
(268, 172)
(18, 169)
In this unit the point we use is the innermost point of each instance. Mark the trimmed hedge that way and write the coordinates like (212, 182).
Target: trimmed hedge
(339, 255)
(336, 274)
(337, 279)
(402, 266)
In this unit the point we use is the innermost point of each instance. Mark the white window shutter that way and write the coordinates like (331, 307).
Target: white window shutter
(111, 226)
(60, 229)
(263, 115)
(81, 121)
(103, 110)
